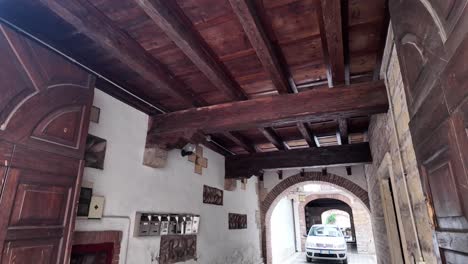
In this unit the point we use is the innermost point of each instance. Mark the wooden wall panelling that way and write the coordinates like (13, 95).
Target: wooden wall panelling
(55, 125)
(432, 45)
(44, 122)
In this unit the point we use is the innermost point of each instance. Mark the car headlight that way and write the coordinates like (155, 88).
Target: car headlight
(311, 245)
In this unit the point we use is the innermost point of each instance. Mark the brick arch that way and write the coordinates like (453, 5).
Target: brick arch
(273, 197)
(312, 197)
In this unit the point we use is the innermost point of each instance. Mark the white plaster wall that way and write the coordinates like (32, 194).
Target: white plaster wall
(282, 231)
(358, 176)
(128, 186)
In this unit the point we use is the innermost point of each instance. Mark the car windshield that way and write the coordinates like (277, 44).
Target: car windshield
(325, 231)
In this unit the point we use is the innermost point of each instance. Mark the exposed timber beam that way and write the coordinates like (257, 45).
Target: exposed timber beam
(250, 21)
(384, 30)
(244, 166)
(274, 138)
(240, 140)
(307, 134)
(88, 20)
(167, 17)
(315, 105)
(332, 40)
(343, 127)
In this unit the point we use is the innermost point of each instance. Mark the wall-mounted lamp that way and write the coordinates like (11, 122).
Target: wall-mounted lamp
(280, 174)
(324, 172)
(302, 173)
(188, 149)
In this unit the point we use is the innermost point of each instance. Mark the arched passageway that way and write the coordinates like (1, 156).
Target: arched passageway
(314, 213)
(358, 194)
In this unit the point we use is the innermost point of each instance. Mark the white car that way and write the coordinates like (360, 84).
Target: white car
(326, 242)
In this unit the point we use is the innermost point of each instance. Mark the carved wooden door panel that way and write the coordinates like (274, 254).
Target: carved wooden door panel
(431, 37)
(44, 118)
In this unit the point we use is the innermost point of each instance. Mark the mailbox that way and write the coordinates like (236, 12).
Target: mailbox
(164, 226)
(143, 228)
(181, 225)
(195, 223)
(173, 223)
(155, 225)
(188, 224)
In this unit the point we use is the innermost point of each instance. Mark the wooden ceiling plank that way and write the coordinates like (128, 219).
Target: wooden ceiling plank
(241, 141)
(88, 20)
(244, 166)
(332, 40)
(306, 132)
(245, 11)
(170, 19)
(274, 138)
(316, 105)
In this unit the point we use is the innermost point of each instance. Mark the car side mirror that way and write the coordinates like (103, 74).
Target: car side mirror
(305, 235)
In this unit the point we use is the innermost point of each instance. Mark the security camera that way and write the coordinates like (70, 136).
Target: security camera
(188, 149)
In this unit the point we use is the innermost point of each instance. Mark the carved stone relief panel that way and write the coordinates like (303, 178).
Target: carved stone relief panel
(177, 248)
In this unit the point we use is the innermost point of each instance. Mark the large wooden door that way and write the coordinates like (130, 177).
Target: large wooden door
(44, 112)
(432, 43)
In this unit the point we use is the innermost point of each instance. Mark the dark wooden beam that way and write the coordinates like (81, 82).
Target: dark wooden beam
(124, 96)
(383, 41)
(315, 105)
(343, 127)
(332, 40)
(244, 166)
(250, 21)
(240, 140)
(169, 18)
(216, 147)
(307, 134)
(274, 138)
(88, 20)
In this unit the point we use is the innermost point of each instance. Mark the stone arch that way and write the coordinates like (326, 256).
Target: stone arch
(313, 197)
(273, 197)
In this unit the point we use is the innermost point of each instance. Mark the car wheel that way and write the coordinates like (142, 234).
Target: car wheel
(309, 259)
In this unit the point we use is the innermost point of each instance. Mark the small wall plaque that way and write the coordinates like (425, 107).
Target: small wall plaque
(94, 114)
(237, 221)
(96, 207)
(95, 152)
(212, 195)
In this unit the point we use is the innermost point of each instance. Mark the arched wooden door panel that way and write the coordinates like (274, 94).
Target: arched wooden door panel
(44, 118)
(431, 37)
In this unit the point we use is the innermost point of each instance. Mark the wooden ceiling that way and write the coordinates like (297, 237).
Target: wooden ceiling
(180, 54)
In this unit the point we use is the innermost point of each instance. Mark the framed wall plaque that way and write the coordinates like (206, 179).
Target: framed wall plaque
(212, 195)
(237, 221)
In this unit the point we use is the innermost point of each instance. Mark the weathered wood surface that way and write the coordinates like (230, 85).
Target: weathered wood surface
(244, 166)
(316, 105)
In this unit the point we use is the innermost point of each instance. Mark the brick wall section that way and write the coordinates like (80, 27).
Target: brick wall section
(99, 237)
(383, 140)
(272, 198)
